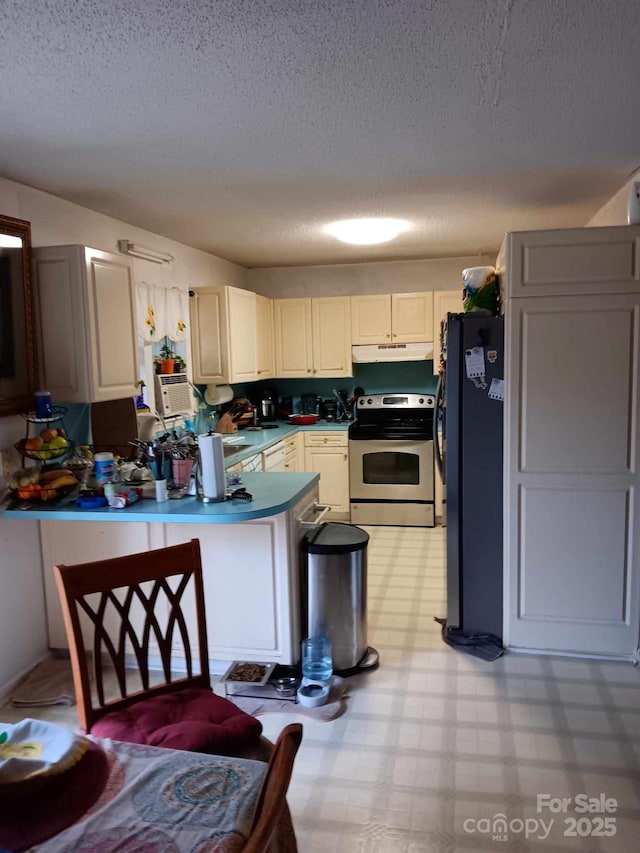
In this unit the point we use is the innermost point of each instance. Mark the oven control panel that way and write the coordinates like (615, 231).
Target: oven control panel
(396, 401)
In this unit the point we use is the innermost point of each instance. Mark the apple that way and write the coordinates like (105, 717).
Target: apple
(47, 434)
(58, 442)
(35, 443)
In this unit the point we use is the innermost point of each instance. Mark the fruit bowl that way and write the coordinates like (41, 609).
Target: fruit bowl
(47, 485)
(38, 492)
(45, 453)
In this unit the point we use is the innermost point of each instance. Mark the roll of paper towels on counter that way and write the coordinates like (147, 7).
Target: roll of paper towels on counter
(211, 464)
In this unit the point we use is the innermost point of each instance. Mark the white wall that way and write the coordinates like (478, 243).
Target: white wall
(57, 222)
(23, 635)
(614, 212)
(354, 279)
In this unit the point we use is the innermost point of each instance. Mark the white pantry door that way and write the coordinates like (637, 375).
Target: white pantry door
(572, 515)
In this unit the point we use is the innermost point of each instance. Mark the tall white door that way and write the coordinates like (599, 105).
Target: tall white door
(571, 505)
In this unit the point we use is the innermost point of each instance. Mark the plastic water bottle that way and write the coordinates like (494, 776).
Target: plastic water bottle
(317, 663)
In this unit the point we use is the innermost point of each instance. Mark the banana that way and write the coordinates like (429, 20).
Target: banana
(65, 479)
(53, 474)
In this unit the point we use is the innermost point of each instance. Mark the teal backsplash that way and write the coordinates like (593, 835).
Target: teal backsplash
(378, 378)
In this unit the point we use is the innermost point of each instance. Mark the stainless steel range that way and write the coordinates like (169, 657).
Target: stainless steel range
(391, 460)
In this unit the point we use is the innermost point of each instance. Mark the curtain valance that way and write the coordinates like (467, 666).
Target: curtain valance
(162, 311)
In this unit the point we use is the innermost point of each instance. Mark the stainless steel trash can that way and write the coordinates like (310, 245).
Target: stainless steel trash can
(335, 590)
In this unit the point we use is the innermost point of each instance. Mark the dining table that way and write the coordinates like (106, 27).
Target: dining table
(138, 799)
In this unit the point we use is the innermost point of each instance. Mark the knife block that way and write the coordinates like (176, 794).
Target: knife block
(225, 424)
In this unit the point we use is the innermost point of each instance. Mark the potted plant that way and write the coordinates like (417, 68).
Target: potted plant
(167, 358)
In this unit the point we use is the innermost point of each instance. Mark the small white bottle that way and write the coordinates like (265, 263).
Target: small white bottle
(105, 468)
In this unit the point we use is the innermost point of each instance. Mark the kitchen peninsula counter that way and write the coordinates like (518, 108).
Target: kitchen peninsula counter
(251, 558)
(273, 493)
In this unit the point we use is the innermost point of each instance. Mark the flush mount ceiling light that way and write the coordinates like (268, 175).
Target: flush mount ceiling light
(138, 251)
(366, 232)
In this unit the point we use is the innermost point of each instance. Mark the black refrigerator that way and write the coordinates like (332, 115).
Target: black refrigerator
(469, 445)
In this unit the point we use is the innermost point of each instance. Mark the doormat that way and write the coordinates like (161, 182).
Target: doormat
(50, 683)
(334, 708)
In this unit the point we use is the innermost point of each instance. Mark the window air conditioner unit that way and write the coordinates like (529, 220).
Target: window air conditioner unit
(173, 394)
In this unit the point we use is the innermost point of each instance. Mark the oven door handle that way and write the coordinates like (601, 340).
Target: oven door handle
(437, 416)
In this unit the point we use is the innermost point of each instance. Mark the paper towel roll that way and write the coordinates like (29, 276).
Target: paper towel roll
(211, 464)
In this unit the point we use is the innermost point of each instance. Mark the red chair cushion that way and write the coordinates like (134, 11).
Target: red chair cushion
(193, 719)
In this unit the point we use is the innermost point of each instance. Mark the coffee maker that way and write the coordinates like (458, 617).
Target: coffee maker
(267, 404)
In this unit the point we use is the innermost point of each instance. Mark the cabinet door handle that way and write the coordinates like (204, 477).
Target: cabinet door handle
(388, 335)
(308, 370)
(344, 456)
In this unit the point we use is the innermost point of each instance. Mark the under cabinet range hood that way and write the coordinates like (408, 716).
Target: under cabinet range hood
(391, 352)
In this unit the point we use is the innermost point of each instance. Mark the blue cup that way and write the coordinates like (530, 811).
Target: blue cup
(44, 409)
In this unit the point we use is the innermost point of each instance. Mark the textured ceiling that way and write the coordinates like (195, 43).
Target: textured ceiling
(242, 126)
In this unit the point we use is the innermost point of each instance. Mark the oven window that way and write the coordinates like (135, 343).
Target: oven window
(391, 468)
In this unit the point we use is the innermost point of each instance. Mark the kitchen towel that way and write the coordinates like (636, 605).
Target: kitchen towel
(213, 483)
(484, 646)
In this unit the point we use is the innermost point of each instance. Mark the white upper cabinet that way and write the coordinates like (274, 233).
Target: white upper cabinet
(371, 319)
(331, 322)
(231, 335)
(571, 261)
(88, 341)
(242, 328)
(292, 326)
(444, 302)
(312, 337)
(266, 355)
(401, 318)
(411, 317)
(209, 351)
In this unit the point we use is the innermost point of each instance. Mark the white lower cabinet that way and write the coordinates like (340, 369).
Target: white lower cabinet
(251, 576)
(246, 587)
(72, 542)
(327, 453)
(294, 452)
(274, 458)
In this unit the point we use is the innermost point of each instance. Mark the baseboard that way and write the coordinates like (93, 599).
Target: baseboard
(7, 688)
(582, 655)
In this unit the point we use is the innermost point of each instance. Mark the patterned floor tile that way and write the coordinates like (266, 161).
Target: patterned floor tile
(435, 740)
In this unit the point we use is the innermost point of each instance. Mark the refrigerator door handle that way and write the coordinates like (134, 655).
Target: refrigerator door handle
(437, 415)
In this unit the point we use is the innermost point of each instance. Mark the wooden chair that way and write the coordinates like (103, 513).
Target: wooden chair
(131, 612)
(272, 803)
